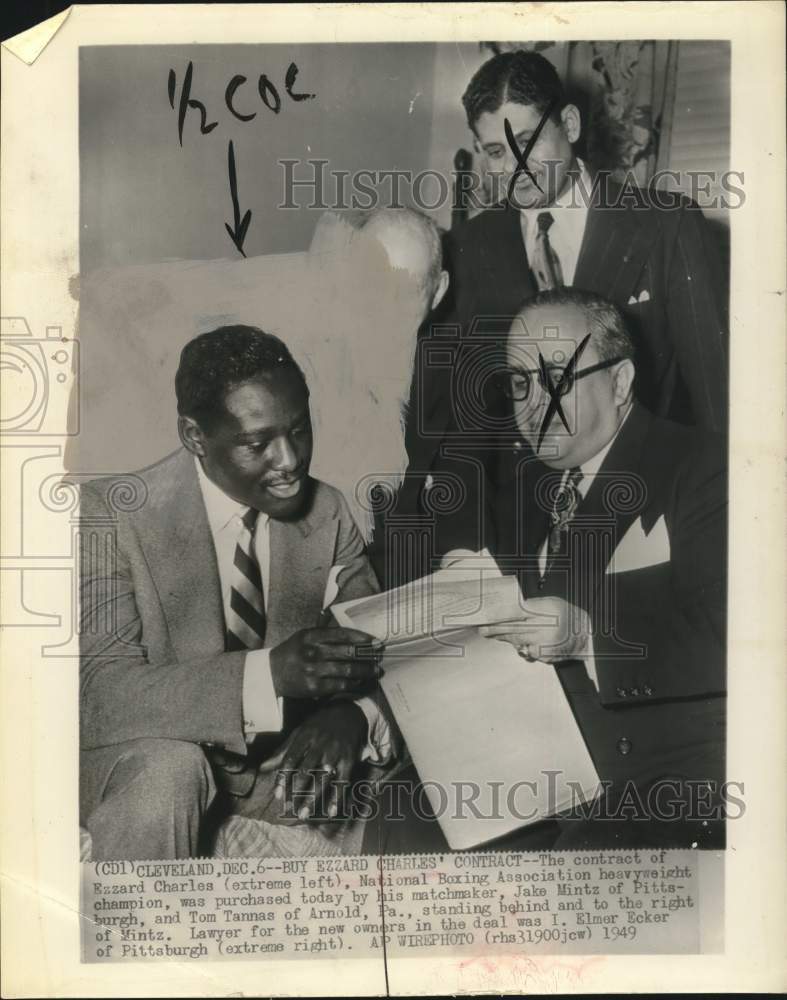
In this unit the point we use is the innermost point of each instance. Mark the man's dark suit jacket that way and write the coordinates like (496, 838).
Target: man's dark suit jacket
(152, 634)
(659, 642)
(659, 628)
(662, 258)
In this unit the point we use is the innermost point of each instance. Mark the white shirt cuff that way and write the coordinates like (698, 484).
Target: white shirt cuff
(262, 709)
(379, 744)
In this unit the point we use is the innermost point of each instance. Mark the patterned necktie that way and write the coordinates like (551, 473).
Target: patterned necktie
(546, 263)
(246, 618)
(562, 514)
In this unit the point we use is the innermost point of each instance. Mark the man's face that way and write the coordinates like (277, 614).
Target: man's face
(549, 160)
(260, 448)
(593, 407)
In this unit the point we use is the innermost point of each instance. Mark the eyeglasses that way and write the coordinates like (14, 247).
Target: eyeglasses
(518, 382)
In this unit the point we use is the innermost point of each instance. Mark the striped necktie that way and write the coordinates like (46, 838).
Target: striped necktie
(546, 263)
(246, 618)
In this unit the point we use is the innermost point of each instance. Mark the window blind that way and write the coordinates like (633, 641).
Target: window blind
(700, 137)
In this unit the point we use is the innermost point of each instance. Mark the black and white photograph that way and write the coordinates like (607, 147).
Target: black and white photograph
(459, 407)
(391, 444)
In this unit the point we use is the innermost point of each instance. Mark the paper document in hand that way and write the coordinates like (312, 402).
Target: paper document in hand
(492, 736)
(434, 604)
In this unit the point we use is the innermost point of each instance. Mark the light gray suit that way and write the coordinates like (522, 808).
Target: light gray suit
(156, 686)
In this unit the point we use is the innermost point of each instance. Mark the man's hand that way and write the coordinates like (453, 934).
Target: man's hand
(319, 662)
(318, 760)
(550, 629)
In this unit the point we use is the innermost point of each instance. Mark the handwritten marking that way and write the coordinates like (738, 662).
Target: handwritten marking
(268, 93)
(554, 390)
(521, 156)
(187, 102)
(238, 231)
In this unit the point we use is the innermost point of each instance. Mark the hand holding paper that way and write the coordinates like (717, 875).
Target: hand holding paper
(320, 662)
(548, 629)
(455, 597)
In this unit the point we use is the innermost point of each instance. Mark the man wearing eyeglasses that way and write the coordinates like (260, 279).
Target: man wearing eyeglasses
(553, 224)
(615, 523)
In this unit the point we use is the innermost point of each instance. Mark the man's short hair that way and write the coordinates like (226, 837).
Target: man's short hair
(521, 77)
(605, 322)
(416, 222)
(214, 363)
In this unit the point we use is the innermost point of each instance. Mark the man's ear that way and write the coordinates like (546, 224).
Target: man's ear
(572, 122)
(623, 382)
(191, 436)
(442, 288)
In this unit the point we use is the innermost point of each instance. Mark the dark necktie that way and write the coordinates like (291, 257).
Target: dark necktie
(562, 514)
(545, 264)
(246, 617)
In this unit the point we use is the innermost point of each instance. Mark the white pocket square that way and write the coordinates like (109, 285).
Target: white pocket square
(644, 296)
(636, 550)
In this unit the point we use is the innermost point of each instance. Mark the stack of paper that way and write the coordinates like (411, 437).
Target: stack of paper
(447, 600)
(492, 735)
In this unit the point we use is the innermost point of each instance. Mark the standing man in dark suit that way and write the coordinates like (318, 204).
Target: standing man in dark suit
(201, 597)
(648, 252)
(618, 535)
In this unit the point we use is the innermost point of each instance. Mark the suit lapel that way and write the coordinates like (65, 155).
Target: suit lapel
(615, 246)
(504, 258)
(301, 558)
(179, 549)
(616, 498)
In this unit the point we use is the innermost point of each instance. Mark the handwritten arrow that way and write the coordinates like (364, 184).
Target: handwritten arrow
(238, 231)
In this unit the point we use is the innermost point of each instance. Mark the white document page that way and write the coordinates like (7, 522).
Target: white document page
(473, 592)
(475, 715)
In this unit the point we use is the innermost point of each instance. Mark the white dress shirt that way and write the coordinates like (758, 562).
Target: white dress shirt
(262, 708)
(569, 212)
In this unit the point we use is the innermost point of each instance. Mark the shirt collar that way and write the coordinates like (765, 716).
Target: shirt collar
(220, 508)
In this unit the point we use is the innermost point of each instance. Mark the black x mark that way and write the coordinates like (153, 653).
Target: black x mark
(554, 390)
(521, 157)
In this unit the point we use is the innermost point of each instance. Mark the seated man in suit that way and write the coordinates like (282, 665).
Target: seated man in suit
(203, 579)
(648, 252)
(617, 532)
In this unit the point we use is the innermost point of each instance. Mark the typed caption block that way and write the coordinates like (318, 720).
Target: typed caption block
(548, 903)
